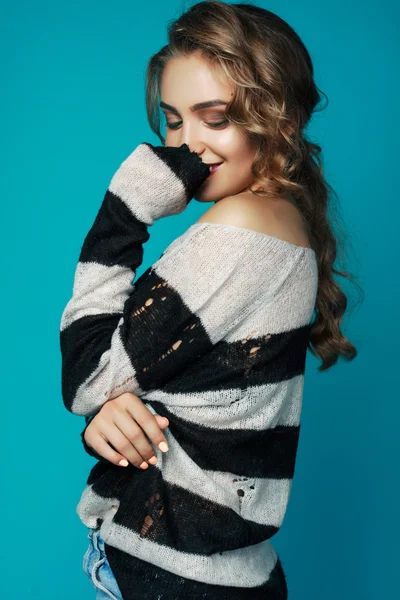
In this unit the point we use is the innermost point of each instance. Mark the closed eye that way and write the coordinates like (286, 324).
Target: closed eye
(214, 124)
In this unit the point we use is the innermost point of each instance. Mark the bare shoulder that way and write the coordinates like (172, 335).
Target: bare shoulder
(278, 217)
(232, 210)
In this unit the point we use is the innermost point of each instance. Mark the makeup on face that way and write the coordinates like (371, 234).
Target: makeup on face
(194, 100)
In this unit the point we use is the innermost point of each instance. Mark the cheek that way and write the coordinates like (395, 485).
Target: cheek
(236, 149)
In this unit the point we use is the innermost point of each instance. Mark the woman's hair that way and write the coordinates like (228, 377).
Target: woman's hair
(274, 100)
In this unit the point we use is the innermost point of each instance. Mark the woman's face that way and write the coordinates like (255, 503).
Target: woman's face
(189, 81)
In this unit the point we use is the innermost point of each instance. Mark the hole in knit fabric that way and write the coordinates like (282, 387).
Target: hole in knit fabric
(156, 510)
(241, 491)
(175, 346)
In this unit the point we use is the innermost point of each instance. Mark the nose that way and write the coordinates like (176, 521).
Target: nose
(191, 139)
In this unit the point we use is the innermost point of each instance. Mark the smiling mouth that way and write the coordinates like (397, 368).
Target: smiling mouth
(214, 167)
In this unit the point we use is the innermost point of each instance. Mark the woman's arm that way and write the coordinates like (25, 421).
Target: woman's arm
(152, 182)
(118, 338)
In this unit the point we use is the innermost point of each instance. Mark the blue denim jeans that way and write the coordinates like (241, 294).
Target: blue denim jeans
(97, 568)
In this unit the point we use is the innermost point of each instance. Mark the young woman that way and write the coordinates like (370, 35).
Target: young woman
(235, 85)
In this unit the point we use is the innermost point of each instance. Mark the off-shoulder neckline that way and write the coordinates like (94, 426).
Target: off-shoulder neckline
(285, 243)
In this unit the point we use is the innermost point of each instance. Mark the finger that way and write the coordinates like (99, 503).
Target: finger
(127, 438)
(162, 421)
(146, 420)
(104, 433)
(96, 441)
(133, 437)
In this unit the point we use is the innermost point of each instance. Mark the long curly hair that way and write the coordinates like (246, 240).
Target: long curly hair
(274, 99)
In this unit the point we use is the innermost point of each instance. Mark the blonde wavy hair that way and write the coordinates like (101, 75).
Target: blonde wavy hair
(274, 99)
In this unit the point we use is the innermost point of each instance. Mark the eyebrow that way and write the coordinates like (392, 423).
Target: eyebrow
(196, 107)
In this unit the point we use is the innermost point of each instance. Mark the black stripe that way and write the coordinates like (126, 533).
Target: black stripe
(149, 337)
(138, 579)
(82, 344)
(116, 236)
(110, 480)
(252, 453)
(229, 365)
(172, 516)
(186, 165)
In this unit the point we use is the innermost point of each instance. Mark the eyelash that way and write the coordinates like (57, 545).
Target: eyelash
(213, 125)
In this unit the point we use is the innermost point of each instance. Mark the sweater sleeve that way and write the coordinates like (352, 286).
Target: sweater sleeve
(151, 183)
(121, 337)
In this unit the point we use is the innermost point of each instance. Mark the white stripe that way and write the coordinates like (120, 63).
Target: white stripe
(259, 407)
(224, 283)
(92, 506)
(146, 201)
(97, 289)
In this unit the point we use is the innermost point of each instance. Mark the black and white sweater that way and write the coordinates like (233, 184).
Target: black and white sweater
(212, 336)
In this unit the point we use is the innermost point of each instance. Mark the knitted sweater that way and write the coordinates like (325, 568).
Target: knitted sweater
(212, 336)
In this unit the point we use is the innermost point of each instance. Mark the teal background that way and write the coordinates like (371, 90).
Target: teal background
(72, 109)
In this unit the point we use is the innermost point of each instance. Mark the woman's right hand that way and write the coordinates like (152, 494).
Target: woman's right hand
(124, 422)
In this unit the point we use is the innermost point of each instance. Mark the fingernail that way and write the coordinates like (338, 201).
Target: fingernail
(144, 465)
(163, 446)
(123, 462)
(153, 460)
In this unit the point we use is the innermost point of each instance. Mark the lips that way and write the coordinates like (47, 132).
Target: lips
(214, 167)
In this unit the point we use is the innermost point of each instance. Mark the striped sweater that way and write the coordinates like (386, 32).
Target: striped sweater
(213, 336)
